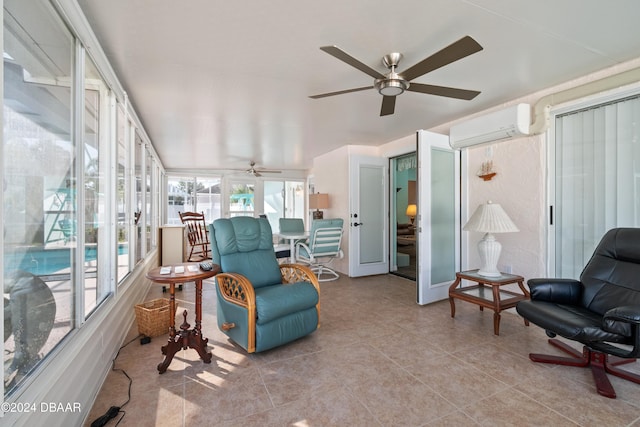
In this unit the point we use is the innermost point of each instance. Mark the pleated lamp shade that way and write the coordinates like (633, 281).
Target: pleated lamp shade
(490, 218)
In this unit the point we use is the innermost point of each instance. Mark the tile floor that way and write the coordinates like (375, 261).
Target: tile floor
(378, 359)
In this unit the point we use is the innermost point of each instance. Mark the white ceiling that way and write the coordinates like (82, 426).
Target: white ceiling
(218, 83)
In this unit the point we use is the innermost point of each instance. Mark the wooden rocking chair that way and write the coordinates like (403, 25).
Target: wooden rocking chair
(197, 235)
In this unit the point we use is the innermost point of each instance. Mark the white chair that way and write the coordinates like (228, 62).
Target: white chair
(323, 247)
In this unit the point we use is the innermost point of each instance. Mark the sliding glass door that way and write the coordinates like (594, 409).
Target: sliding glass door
(596, 162)
(283, 199)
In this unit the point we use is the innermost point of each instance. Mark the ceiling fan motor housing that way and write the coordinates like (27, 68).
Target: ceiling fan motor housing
(393, 84)
(392, 60)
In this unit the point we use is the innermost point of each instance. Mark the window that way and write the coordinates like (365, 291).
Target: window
(148, 166)
(139, 194)
(39, 187)
(69, 199)
(123, 191)
(156, 198)
(241, 199)
(94, 184)
(204, 194)
(193, 194)
(597, 179)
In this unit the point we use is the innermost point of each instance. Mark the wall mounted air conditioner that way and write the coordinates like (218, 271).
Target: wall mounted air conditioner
(496, 126)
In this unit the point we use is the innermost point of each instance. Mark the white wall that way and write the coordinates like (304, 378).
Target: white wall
(399, 147)
(331, 176)
(519, 187)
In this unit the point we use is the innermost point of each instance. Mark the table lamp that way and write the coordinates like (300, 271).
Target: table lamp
(318, 201)
(411, 212)
(490, 218)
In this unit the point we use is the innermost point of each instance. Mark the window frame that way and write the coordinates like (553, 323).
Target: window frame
(275, 225)
(83, 320)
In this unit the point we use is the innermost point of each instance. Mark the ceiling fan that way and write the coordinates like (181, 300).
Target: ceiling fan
(258, 172)
(393, 84)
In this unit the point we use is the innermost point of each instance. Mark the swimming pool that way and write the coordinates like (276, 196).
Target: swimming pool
(42, 262)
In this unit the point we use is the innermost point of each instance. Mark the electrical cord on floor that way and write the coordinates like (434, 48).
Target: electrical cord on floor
(113, 411)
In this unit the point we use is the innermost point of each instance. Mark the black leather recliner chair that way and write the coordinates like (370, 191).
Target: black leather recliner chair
(601, 310)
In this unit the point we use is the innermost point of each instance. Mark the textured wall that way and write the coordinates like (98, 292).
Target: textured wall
(519, 187)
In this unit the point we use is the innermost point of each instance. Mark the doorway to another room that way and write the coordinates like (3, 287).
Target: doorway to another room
(403, 214)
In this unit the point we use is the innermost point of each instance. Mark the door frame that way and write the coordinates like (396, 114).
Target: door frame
(393, 209)
(356, 269)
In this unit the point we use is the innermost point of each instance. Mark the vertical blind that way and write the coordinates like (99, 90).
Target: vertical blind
(597, 179)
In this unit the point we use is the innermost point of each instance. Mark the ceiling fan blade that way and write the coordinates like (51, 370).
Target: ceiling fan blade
(267, 171)
(340, 92)
(345, 57)
(455, 51)
(388, 105)
(449, 92)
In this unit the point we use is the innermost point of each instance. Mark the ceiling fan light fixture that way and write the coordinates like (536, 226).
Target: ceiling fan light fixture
(391, 87)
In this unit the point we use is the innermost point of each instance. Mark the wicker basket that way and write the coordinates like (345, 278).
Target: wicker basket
(153, 317)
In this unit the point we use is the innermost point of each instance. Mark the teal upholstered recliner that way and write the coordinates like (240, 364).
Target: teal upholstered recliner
(261, 304)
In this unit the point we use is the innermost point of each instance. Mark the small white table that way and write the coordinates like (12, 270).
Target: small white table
(292, 236)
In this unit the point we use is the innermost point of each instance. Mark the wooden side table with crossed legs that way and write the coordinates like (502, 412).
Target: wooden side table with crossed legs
(186, 337)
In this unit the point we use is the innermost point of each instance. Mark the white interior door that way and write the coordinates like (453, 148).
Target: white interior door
(368, 222)
(438, 220)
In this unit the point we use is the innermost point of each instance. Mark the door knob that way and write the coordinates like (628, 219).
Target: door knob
(355, 224)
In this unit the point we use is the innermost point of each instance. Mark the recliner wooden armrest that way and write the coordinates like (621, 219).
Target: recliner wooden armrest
(237, 289)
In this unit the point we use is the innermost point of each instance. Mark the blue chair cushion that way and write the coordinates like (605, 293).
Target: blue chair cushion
(291, 224)
(273, 302)
(244, 245)
(242, 234)
(286, 329)
(259, 268)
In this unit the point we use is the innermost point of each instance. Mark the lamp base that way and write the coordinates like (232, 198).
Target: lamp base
(489, 249)
(318, 214)
(484, 273)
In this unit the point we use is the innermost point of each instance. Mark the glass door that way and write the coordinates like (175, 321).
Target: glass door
(368, 222)
(438, 220)
(403, 248)
(283, 199)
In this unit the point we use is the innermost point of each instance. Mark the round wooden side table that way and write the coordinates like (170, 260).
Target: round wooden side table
(186, 337)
